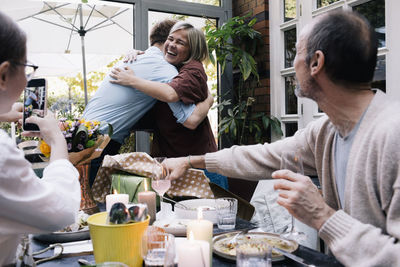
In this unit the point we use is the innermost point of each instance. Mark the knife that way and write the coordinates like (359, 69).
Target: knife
(292, 257)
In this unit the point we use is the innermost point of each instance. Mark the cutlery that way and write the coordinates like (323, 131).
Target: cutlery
(242, 232)
(176, 203)
(84, 262)
(292, 257)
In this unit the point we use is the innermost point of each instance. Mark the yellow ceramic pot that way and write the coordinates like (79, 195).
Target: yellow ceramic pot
(117, 242)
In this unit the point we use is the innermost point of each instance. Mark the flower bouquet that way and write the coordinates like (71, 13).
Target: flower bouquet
(85, 143)
(84, 140)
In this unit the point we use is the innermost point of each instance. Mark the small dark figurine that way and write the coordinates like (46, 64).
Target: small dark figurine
(118, 214)
(138, 212)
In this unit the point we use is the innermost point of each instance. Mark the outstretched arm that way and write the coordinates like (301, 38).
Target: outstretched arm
(160, 91)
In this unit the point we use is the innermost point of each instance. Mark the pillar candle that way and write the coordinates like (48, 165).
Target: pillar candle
(149, 198)
(201, 229)
(193, 253)
(115, 198)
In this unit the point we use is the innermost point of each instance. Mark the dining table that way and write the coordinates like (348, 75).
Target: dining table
(312, 256)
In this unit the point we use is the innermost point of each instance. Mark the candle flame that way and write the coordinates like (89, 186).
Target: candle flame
(145, 185)
(191, 236)
(199, 213)
(115, 191)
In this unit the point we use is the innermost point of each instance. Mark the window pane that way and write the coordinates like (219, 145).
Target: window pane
(374, 11)
(290, 97)
(380, 74)
(205, 2)
(322, 3)
(290, 47)
(290, 128)
(290, 10)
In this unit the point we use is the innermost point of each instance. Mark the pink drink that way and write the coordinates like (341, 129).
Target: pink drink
(161, 186)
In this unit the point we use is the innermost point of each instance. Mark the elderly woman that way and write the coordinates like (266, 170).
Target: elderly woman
(29, 204)
(185, 48)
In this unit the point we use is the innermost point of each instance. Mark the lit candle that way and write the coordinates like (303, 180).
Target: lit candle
(201, 229)
(149, 198)
(115, 198)
(193, 253)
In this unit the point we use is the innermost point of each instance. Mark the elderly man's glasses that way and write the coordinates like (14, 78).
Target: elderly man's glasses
(30, 69)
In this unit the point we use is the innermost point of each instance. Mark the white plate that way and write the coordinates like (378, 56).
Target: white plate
(209, 212)
(177, 227)
(220, 248)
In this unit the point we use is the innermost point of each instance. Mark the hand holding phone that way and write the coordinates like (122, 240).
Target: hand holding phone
(50, 133)
(35, 100)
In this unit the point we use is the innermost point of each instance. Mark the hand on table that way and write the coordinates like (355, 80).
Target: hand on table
(123, 76)
(299, 195)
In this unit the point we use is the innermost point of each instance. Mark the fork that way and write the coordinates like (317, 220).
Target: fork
(242, 232)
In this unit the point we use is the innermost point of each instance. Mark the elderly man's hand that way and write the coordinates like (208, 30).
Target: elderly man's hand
(301, 198)
(177, 167)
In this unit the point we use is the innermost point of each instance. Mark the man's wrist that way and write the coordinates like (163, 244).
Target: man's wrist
(326, 214)
(189, 162)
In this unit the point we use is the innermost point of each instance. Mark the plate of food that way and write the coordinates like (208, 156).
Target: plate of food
(177, 227)
(224, 248)
(75, 232)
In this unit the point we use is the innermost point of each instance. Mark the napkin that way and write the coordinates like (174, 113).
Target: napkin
(194, 183)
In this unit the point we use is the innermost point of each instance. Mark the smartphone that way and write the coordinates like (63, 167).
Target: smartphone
(35, 101)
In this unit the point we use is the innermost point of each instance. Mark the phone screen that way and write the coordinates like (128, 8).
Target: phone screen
(34, 102)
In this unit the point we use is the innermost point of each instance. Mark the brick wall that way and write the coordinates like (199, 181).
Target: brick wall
(259, 9)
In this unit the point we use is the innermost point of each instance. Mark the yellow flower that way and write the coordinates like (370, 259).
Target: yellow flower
(45, 148)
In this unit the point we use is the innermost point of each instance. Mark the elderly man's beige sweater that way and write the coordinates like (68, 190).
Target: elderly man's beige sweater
(366, 230)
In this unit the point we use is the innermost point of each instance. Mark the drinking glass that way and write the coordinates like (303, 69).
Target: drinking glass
(292, 160)
(252, 253)
(159, 181)
(158, 248)
(226, 208)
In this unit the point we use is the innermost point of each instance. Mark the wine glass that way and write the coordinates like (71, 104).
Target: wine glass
(292, 160)
(159, 181)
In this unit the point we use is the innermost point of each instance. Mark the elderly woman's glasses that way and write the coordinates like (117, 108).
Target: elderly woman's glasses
(30, 69)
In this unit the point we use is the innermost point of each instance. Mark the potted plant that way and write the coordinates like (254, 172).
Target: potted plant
(237, 41)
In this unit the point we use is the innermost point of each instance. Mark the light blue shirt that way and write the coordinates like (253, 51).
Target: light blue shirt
(342, 146)
(123, 106)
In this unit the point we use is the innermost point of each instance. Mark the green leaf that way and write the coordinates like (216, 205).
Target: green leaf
(276, 127)
(266, 122)
(233, 129)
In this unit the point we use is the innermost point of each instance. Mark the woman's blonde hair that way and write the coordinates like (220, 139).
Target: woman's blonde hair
(198, 49)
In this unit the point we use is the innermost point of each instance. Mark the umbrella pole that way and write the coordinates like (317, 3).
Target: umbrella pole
(82, 33)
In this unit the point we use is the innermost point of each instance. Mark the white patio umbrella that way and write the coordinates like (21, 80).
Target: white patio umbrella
(60, 32)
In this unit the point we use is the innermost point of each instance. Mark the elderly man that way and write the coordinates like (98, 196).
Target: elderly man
(354, 150)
